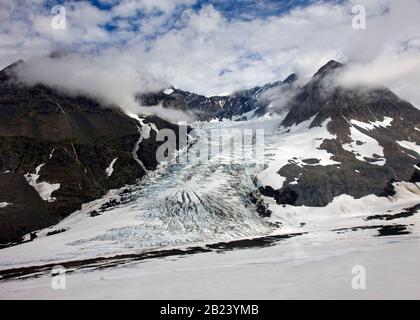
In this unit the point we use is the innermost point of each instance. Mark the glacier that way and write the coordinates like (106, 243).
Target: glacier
(203, 209)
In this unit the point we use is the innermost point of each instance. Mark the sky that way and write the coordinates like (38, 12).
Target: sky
(116, 48)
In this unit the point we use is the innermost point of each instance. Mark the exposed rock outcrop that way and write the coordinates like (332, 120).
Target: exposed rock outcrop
(363, 123)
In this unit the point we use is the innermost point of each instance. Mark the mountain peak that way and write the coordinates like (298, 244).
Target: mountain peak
(329, 67)
(8, 72)
(291, 78)
(59, 53)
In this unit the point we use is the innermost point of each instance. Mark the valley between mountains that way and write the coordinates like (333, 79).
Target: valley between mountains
(80, 187)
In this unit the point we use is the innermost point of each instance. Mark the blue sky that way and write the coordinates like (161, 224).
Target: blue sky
(244, 9)
(231, 10)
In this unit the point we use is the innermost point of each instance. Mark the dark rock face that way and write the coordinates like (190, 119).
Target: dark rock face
(262, 209)
(313, 96)
(322, 99)
(75, 139)
(207, 108)
(284, 196)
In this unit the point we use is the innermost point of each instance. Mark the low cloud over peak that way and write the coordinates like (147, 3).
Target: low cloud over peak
(205, 47)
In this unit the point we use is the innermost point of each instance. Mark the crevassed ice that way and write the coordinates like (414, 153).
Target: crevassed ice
(177, 204)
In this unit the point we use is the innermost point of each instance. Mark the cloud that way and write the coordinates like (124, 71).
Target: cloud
(399, 71)
(279, 97)
(106, 78)
(192, 48)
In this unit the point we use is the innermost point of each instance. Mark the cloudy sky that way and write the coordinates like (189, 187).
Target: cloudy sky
(211, 47)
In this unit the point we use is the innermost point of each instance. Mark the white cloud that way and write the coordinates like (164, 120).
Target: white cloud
(210, 54)
(400, 71)
(111, 79)
(105, 77)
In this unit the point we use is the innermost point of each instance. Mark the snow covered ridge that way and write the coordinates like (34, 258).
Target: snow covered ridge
(44, 189)
(168, 91)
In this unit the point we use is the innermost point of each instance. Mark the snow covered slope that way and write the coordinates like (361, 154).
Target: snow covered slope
(318, 265)
(341, 141)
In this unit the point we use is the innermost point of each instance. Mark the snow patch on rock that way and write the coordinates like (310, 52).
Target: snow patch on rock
(4, 204)
(373, 124)
(410, 146)
(364, 146)
(43, 188)
(110, 168)
(294, 145)
(51, 154)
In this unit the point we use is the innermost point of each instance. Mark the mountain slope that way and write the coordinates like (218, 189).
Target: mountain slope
(59, 151)
(357, 141)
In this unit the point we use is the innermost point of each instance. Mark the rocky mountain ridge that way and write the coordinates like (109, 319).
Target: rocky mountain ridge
(370, 136)
(59, 151)
(243, 104)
